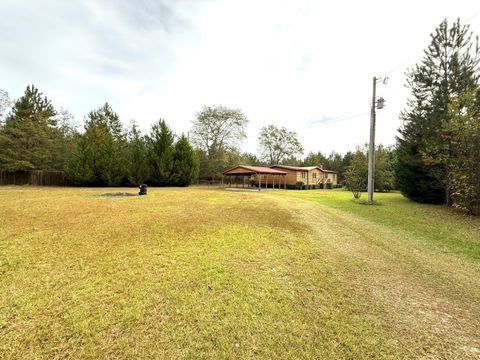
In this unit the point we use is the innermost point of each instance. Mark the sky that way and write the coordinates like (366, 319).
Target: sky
(304, 65)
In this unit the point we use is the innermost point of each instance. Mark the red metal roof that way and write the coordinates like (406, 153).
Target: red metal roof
(302, 168)
(247, 169)
(296, 168)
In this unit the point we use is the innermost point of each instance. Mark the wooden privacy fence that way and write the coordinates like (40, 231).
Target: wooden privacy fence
(32, 177)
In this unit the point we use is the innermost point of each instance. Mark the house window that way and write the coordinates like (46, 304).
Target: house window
(303, 174)
(314, 175)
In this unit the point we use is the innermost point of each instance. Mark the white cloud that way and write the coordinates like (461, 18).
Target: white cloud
(289, 63)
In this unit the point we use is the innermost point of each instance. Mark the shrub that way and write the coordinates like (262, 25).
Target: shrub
(299, 185)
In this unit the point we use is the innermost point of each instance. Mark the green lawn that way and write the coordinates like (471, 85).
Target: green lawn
(206, 273)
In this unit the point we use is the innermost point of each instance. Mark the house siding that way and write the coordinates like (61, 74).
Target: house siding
(315, 177)
(294, 176)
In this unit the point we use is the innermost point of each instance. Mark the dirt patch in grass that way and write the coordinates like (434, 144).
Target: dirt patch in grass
(117, 194)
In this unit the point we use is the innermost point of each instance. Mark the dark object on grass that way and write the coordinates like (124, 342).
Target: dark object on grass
(142, 189)
(118, 194)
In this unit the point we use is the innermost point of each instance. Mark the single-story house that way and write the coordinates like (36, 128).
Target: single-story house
(309, 175)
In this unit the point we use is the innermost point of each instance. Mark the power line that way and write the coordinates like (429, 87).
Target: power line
(471, 17)
(333, 120)
(403, 63)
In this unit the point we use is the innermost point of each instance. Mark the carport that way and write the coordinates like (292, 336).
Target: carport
(260, 174)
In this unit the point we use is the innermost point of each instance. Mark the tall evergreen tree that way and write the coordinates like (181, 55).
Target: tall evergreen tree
(99, 160)
(160, 153)
(449, 67)
(111, 165)
(80, 170)
(66, 133)
(185, 163)
(137, 157)
(29, 137)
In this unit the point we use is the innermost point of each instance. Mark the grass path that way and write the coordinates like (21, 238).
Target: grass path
(197, 273)
(428, 300)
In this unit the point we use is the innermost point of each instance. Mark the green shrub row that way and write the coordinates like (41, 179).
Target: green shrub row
(301, 186)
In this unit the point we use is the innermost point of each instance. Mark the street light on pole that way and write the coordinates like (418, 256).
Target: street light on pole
(376, 104)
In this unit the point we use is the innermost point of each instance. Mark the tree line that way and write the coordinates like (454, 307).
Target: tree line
(33, 135)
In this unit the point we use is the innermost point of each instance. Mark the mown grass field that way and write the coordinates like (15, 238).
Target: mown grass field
(194, 273)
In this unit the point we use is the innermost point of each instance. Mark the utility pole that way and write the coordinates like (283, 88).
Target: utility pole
(371, 146)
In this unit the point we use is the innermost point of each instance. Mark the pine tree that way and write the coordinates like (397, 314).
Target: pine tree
(80, 170)
(99, 160)
(65, 135)
(449, 67)
(160, 154)
(29, 137)
(137, 161)
(185, 163)
(110, 163)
